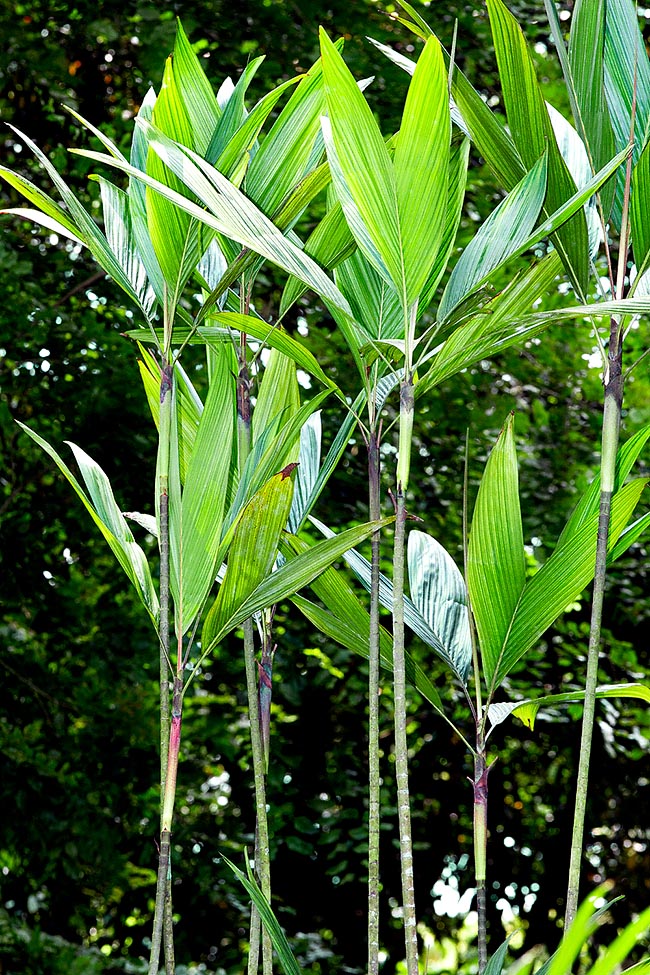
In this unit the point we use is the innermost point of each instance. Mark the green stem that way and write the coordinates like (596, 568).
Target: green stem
(254, 939)
(262, 851)
(374, 778)
(163, 882)
(610, 439)
(163, 888)
(480, 850)
(399, 679)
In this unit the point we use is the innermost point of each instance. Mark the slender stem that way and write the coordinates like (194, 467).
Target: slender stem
(480, 849)
(262, 851)
(610, 438)
(399, 679)
(169, 798)
(374, 778)
(254, 939)
(163, 889)
(612, 406)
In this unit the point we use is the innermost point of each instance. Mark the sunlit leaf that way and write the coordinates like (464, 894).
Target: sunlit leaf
(496, 572)
(527, 710)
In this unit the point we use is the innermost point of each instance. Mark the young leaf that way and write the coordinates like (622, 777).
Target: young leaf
(280, 943)
(586, 60)
(195, 93)
(496, 572)
(395, 209)
(177, 239)
(281, 161)
(278, 395)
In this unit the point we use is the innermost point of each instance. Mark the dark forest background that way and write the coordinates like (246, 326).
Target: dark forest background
(78, 706)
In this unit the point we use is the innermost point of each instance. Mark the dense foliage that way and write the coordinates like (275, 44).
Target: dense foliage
(78, 714)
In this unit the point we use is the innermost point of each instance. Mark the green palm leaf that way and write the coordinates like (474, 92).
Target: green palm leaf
(586, 61)
(395, 208)
(501, 235)
(289, 579)
(532, 133)
(496, 572)
(527, 710)
(205, 491)
(558, 583)
(103, 509)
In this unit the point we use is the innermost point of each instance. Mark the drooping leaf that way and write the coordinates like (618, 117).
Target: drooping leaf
(527, 710)
(103, 509)
(438, 591)
(347, 621)
(290, 578)
(50, 213)
(121, 240)
(412, 615)
(228, 212)
(77, 219)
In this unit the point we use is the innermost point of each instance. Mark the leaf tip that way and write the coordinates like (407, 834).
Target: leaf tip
(287, 471)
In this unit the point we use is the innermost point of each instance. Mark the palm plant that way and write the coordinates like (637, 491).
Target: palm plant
(207, 204)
